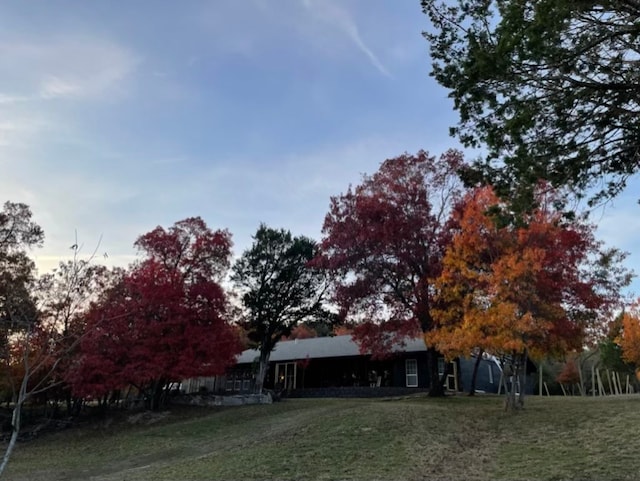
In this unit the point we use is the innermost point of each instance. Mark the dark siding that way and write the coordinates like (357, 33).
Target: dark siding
(488, 375)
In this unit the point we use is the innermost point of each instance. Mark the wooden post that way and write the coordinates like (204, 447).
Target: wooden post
(601, 390)
(500, 383)
(593, 380)
(581, 380)
(546, 389)
(611, 387)
(616, 381)
(564, 393)
(540, 379)
(628, 385)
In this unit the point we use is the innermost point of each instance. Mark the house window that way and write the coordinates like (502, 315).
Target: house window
(489, 365)
(246, 384)
(411, 370)
(229, 384)
(441, 366)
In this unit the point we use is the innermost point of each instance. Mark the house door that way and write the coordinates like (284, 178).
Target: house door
(286, 375)
(452, 377)
(451, 382)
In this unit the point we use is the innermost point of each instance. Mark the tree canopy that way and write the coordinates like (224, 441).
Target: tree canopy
(18, 233)
(542, 288)
(278, 287)
(165, 320)
(629, 338)
(383, 243)
(550, 87)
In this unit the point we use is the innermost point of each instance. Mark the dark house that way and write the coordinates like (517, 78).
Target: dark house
(334, 366)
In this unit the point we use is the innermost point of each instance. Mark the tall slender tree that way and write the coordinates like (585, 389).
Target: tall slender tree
(279, 289)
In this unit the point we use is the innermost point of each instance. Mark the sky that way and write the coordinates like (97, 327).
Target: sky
(115, 119)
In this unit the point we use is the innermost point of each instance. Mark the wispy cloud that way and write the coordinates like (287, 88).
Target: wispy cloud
(12, 99)
(67, 67)
(342, 20)
(55, 87)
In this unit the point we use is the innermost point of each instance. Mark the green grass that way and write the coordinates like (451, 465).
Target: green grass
(417, 438)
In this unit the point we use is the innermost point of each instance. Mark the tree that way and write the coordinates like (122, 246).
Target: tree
(36, 315)
(64, 296)
(165, 320)
(383, 244)
(544, 287)
(629, 338)
(279, 289)
(609, 347)
(40, 353)
(18, 234)
(18, 311)
(550, 87)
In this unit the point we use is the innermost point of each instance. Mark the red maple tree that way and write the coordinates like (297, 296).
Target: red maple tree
(383, 243)
(165, 321)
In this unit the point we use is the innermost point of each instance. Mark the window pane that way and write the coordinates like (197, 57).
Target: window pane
(441, 366)
(411, 371)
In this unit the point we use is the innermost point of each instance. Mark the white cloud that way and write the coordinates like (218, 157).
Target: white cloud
(339, 18)
(248, 28)
(54, 87)
(66, 67)
(12, 99)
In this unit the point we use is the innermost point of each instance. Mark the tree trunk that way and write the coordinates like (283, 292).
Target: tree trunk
(509, 389)
(516, 370)
(263, 368)
(15, 423)
(157, 395)
(523, 378)
(436, 388)
(474, 375)
(68, 402)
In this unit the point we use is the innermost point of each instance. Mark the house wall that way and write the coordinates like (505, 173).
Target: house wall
(400, 372)
(348, 376)
(488, 377)
(352, 371)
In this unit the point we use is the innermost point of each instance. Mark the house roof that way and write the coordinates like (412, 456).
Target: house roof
(321, 347)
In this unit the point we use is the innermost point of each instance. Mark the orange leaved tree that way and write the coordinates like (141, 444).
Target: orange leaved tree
(541, 286)
(629, 340)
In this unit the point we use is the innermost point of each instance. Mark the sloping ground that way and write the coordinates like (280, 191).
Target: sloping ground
(349, 439)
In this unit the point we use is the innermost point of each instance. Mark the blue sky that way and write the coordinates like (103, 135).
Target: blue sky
(115, 120)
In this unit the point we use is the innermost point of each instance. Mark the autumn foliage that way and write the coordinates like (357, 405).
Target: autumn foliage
(165, 320)
(383, 243)
(531, 286)
(569, 373)
(537, 287)
(629, 340)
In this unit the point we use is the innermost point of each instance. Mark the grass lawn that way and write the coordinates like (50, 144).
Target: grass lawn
(417, 438)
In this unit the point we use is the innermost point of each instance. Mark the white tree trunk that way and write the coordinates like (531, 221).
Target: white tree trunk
(15, 423)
